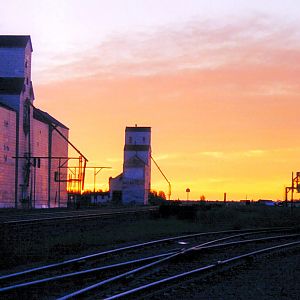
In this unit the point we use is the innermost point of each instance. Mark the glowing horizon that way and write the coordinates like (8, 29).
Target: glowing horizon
(218, 84)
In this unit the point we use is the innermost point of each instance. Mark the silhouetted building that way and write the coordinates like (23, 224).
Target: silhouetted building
(133, 185)
(266, 202)
(28, 141)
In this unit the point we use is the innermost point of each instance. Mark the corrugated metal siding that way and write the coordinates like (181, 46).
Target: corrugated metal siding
(40, 148)
(7, 152)
(59, 195)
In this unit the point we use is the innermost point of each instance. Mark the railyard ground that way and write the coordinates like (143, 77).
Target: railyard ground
(28, 246)
(55, 241)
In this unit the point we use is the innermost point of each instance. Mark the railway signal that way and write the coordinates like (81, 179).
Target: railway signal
(295, 186)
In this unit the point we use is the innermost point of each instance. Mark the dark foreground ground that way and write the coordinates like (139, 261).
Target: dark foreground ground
(272, 277)
(24, 247)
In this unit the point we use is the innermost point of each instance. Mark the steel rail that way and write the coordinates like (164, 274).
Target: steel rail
(135, 246)
(147, 266)
(202, 269)
(234, 243)
(83, 272)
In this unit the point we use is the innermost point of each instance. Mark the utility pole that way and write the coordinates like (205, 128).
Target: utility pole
(294, 186)
(96, 172)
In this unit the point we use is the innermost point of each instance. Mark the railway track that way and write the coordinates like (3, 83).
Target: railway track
(46, 217)
(141, 267)
(158, 288)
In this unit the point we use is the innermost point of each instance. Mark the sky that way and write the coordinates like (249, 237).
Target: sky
(218, 82)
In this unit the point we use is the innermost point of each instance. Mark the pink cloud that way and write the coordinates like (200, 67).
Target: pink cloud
(200, 46)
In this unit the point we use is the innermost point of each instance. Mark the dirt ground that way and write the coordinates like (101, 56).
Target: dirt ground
(268, 277)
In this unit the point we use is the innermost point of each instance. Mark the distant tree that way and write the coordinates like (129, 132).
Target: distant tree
(154, 193)
(202, 198)
(162, 195)
(156, 198)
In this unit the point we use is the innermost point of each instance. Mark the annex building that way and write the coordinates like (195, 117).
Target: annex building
(32, 142)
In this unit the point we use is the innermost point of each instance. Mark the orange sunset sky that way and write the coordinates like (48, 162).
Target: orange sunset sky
(218, 82)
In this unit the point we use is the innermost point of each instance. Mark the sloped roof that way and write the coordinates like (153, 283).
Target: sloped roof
(11, 85)
(15, 41)
(46, 118)
(134, 161)
(119, 177)
(6, 106)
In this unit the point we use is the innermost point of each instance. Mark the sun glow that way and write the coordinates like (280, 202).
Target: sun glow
(217, 82)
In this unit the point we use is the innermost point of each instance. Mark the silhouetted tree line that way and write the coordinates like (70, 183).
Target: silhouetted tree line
(156, 198)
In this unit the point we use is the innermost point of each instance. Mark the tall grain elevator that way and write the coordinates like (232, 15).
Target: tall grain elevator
(133, 185)
(30, 139)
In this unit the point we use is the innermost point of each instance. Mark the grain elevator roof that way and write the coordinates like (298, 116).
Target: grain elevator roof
(14, 41)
